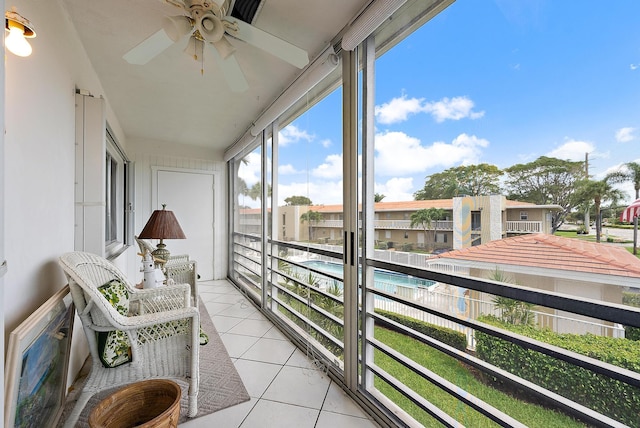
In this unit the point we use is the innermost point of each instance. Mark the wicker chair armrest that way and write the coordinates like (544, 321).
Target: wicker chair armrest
(168, 290)
(150, 319)
(179, 258)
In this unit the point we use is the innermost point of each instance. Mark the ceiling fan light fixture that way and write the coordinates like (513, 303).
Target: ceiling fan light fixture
(177, 27)
(210, 27)
(19, 29)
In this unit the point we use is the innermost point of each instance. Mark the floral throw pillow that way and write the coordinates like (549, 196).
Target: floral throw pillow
(114, 348)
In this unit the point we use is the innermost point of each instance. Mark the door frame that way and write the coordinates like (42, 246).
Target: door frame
(219, 236)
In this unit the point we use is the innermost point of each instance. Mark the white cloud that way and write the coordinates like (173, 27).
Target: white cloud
(634, 66)
(572, 150)
(321, 192)
(291, 134)
(331, 168)
(624, 135)
(454, 109)
(326, 143)
(399, 109)
(287, 169)
(398, 154)
(396, 189)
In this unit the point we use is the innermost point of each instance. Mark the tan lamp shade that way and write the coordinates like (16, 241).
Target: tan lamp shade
(162, 225)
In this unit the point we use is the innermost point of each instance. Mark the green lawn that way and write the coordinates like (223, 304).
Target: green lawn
(452, 370)
(573, 234)
(630, 249)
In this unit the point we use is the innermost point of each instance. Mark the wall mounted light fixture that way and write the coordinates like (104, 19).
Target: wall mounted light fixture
(18, 28)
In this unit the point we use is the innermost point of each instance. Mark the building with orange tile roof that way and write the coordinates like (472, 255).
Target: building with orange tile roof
(590, 270)
(467, 221)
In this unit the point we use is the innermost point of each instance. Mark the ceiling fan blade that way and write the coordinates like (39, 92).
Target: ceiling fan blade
(230, 70)
(148, 49)
(267, 42)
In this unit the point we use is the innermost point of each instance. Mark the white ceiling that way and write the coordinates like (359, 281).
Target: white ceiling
(168, 99)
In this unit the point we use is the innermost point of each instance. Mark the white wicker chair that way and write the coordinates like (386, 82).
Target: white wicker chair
(155, 353)
(184, 273)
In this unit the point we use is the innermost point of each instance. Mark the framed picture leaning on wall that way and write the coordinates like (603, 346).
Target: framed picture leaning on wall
(37, 364)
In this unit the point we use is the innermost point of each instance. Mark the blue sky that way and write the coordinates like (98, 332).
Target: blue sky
(493, 81)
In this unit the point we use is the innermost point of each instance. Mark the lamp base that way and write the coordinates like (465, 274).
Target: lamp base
(161, 255)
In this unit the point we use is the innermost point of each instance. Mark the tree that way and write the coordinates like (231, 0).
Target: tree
(424, 218)
(378, 197)
(630, 171)
(311, 217)
(255, 192)
(512, 311)
(545, 181)
(472, 180)
(598, 191)
(298, 200)
(241, 187)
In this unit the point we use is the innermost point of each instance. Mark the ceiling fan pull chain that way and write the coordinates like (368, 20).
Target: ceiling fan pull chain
(202, 59)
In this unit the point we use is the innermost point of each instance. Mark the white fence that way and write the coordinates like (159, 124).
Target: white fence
(452, 300)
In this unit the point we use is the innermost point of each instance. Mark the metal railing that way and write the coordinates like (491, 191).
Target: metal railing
(303, 306)
(523, 227)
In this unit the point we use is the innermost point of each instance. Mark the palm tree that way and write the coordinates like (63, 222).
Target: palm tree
(598, 191)
(424, 217)
(378, 197)
(311, 217)
(630, 171)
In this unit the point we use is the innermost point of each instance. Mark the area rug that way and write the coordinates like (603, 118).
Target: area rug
(220, 383)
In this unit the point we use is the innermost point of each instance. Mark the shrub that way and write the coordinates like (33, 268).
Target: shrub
(445, 335)
(632, 333)
(631, 299)
(578, 384)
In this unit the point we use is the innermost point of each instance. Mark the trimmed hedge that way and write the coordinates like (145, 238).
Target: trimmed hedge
(445, 335)
(608, 396)
(631, 299)
(631, 333)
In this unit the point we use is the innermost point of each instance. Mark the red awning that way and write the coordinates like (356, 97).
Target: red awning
(631, 211)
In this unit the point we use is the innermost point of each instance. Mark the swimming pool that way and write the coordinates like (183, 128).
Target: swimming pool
(388, 281)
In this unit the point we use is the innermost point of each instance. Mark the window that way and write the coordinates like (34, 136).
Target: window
(117, 196)
(524, 215)
(441, 237)
(111, 192)
(104, 190)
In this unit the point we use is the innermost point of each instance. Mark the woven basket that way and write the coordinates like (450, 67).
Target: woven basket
(150, 403)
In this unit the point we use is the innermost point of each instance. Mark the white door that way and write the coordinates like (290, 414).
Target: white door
(190, 196)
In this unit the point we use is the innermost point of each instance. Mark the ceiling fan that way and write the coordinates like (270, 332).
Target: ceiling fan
(209, 25)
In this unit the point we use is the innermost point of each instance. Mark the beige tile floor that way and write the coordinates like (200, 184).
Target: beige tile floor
(286, 388)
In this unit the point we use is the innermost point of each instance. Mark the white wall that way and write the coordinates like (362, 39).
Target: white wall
(39, 161)
(2, 259)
